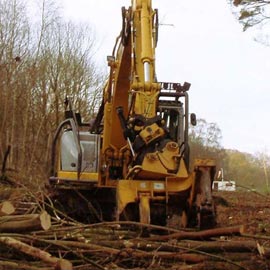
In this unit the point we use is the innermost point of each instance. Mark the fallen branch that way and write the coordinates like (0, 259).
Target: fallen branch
(126, 252)
(58, 264)
(201, 235)
(256, 236)
(205, 246)
(20, 265)
(132, 224)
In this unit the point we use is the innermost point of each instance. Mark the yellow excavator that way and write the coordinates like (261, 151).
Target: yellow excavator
(132, 162)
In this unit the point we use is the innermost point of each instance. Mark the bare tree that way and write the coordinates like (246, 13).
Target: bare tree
(14, 37)
(41, 63)
(205, 141)
(67, 69)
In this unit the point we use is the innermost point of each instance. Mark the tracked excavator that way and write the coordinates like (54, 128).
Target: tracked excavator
(132, 163)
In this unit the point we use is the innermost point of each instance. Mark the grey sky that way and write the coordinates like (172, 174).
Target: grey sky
(229, 72)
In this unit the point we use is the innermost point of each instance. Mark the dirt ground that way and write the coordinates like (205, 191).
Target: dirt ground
(244, 208)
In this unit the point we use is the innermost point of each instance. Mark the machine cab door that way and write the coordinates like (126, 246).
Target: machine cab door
(75, 154)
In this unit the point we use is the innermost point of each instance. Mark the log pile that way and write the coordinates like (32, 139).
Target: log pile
(130, 246)
(41, 241)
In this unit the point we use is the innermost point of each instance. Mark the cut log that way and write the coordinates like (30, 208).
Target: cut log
(45, 221)
(23, 223)
(58, 264)
(6, 208)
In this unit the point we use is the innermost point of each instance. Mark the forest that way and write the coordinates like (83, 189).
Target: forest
(45, 59)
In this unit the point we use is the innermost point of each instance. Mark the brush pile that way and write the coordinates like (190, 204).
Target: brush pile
(31, 238)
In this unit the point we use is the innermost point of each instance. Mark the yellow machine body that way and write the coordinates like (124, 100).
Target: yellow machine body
(139, 140)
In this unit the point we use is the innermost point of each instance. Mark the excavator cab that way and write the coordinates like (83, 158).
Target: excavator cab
(173, 108)
(172, 115)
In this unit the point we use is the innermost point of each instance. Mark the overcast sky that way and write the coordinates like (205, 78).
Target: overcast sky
(228, 70)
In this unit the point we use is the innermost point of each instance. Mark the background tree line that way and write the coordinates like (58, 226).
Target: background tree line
(249, 171)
